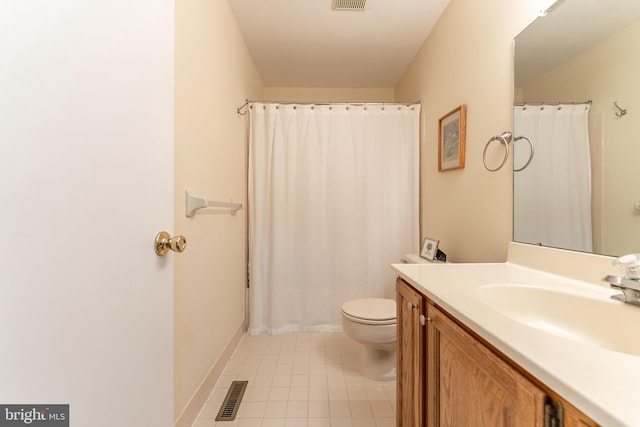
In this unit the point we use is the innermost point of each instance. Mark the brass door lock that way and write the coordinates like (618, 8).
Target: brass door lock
(164, 242)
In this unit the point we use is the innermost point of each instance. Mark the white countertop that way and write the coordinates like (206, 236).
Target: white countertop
(604, 384)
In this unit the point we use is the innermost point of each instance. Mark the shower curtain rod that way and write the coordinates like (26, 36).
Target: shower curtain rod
(359, 104)
(551, 103)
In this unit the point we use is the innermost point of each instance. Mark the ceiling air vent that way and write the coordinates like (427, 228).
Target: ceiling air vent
(348, 4)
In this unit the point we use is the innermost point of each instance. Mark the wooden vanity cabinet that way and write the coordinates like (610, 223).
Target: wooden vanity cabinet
(575, 418)
(470, 386)
(411, 366)
(448, 377)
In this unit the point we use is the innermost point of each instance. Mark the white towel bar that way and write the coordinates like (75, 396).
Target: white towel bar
(193, 203)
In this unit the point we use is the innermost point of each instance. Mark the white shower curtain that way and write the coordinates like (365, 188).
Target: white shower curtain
(333, 200)
(552, 196)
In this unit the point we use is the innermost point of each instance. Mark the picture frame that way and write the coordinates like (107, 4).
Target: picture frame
(452, 132)
(429, 249)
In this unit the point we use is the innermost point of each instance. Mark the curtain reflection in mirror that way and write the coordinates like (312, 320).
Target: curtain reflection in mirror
(552, 196)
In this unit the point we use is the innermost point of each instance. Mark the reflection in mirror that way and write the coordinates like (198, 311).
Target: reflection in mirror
(582, 188)
(552, 201)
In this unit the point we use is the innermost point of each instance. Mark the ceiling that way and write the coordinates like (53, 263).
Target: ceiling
(304, 43)
(572, 28)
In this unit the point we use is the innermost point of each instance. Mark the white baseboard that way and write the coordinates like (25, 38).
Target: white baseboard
(190, 412)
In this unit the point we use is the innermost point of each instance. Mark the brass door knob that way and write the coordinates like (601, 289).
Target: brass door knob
(164, 242)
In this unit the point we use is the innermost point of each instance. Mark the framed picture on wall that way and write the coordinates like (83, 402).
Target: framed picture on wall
(451, 139)
(429, 249)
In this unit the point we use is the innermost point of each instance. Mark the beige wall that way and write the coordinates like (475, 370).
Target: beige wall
(214, 74)
(467, 59)
(288, 94)
(604, 74)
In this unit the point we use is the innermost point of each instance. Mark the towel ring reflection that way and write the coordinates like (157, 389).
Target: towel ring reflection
(505, 139)
(517, 138)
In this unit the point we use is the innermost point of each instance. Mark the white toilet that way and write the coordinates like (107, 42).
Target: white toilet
(372, 323)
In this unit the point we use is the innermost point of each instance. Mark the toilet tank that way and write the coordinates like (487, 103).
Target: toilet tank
(414, 259)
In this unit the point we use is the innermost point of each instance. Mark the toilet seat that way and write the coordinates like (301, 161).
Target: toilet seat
(370, 311)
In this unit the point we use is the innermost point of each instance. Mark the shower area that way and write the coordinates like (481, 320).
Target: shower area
(333, 201)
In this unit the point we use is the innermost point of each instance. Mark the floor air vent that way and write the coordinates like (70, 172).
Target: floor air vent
(348, 4)
(231, 403)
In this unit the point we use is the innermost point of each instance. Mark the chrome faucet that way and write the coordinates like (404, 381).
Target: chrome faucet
(630, 289)
(629, 284)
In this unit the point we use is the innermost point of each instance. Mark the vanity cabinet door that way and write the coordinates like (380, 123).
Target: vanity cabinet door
(410, 379)
(469, 385)
(575, 418)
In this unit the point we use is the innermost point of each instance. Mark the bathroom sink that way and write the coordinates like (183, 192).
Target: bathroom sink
(582, 316)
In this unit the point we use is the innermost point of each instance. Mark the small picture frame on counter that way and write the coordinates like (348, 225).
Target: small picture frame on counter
(440, 256)
(429, 249)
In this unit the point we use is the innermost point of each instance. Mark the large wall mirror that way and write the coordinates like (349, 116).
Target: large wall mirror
(577, 97)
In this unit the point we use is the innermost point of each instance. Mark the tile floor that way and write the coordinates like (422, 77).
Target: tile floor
(302, 379)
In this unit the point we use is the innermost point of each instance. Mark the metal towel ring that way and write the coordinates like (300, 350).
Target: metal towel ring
(504, 138)
(517, 138)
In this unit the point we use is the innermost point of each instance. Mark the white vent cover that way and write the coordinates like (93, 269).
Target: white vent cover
(348, 4)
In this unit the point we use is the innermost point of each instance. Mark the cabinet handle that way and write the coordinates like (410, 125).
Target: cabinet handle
(423, 320)
(411, 306)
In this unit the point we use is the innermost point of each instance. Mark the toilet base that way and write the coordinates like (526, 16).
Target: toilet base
(376, 364)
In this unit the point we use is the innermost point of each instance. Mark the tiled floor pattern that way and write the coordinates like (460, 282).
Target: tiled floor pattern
(301, 380)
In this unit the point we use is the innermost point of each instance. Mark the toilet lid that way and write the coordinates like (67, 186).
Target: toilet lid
(371, 309)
